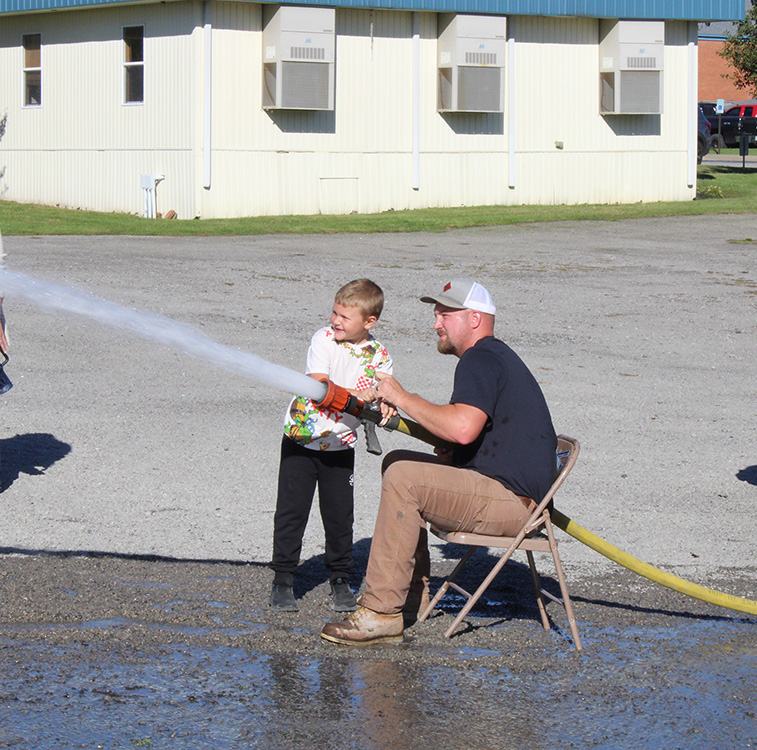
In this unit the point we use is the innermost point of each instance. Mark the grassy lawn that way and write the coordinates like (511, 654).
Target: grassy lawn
(738, 188)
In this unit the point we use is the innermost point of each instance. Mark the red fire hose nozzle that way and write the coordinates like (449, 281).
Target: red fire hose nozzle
(338, 398)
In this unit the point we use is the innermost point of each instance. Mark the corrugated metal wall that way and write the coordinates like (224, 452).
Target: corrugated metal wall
(360, 157)
(84, 148)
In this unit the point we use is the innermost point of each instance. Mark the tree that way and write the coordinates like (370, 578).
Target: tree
(740, 49)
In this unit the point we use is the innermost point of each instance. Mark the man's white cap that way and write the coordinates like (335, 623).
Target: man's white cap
(464, 294)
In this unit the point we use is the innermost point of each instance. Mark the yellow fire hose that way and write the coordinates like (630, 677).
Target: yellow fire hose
(339, 399)
(614, 553)
(649, 571)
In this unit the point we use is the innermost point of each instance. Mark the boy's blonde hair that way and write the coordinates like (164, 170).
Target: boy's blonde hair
(363, 294)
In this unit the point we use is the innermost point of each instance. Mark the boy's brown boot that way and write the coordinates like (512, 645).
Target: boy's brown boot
(364, 627)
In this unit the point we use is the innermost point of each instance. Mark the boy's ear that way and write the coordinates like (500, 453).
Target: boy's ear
(369, 322)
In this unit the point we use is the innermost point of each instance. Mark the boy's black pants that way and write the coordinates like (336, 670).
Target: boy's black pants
(300, 470)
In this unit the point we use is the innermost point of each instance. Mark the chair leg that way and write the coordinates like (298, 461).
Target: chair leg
(564, 588)
(473, 598)
(447, 583)
(537, 589)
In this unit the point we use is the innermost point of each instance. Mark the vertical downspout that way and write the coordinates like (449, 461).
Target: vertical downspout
(207, 100)
(416, 101)
(510, 107)
(693, 119)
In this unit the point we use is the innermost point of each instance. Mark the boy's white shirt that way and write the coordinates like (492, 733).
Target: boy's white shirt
(351, 366)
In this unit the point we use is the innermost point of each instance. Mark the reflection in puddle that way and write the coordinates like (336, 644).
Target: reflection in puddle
(688, 686)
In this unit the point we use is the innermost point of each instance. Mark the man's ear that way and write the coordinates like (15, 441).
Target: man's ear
(476, 318)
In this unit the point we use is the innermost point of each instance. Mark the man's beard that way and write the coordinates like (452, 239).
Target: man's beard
(445, 346)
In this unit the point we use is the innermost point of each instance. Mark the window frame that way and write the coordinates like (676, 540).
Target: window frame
(28, 70)
(130, 65)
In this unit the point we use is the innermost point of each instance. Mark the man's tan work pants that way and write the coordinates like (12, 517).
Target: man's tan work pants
(417, 489)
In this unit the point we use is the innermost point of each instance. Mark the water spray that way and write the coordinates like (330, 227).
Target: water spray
(191, 341)
(163, 330)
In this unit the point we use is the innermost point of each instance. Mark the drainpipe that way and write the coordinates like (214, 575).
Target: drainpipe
(416, 101)
(207, 94)
(693, 104)
(511, 109)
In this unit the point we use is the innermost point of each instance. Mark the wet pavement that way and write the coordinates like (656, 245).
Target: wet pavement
(105, 652)
(137, 489)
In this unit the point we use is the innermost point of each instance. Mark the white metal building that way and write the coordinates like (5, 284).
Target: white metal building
(237, 108)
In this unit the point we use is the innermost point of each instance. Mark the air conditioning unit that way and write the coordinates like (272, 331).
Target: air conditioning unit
(631, 67)
(471, 58)
(299, 50)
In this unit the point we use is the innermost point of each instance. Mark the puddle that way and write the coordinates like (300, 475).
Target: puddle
(691, 686)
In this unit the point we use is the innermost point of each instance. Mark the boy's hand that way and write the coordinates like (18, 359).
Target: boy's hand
(387, 412)
(368, 395)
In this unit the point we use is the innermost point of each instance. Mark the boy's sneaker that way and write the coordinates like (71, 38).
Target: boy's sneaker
(282, 598)
(342, 598)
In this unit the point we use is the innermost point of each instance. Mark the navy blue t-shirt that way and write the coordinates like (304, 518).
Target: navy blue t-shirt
(518, 443)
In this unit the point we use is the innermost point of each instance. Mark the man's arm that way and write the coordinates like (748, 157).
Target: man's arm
(456, 423)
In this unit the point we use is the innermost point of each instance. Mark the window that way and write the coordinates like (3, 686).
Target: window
(134, 64)
(32, 44)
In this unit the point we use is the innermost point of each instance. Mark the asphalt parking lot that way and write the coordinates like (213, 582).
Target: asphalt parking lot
(137, 496)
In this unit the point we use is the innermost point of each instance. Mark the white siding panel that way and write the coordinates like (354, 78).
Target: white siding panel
(85, 148)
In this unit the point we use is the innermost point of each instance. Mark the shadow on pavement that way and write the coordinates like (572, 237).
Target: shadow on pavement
(31, 454)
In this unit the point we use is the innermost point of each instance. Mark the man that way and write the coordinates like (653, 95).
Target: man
(503, 460)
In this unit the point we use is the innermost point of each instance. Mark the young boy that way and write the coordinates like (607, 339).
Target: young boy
(318, 446)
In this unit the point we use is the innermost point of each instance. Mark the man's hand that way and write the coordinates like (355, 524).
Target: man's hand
(371, 395)
(455, 423)
(388, 390)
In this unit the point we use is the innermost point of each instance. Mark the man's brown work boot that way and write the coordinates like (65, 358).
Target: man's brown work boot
(364, 627)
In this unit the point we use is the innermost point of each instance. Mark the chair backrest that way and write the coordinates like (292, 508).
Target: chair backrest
(567, 453)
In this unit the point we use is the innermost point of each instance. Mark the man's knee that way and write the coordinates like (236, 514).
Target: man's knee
(398, 476)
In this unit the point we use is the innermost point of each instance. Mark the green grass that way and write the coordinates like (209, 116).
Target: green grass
(738, 187)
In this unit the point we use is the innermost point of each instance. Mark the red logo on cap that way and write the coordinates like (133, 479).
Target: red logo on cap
(448, 287)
